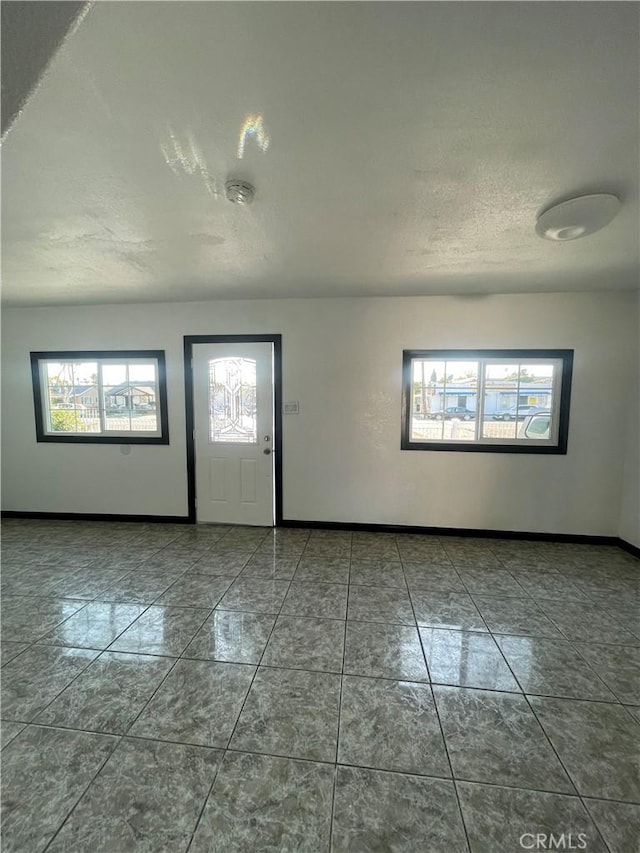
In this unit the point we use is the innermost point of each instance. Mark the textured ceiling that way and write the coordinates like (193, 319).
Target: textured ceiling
(403, 148)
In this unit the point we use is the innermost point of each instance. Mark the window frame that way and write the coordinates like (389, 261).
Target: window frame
(100, 356)
(481, 445)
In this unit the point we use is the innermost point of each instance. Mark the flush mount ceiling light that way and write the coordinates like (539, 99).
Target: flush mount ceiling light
(239, 192)
(577, 217)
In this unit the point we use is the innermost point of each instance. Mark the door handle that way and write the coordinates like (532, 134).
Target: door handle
(267, 451)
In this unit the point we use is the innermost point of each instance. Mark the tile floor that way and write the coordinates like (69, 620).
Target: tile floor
(171, 688)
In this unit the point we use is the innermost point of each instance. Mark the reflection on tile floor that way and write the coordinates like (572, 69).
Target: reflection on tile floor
(174, 688)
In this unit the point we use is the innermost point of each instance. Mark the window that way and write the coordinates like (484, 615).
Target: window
(100, 397)
(509, 401)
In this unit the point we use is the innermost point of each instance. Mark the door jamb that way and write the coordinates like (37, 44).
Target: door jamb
(189, 341)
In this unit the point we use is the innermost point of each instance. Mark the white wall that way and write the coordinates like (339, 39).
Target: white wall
(341, 456)
(629, 529)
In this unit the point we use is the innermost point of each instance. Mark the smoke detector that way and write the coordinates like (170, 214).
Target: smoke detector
(239, 192)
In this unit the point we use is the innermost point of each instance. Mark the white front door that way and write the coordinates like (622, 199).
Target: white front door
(233, 417)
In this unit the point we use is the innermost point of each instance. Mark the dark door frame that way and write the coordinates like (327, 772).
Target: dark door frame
(189, 341)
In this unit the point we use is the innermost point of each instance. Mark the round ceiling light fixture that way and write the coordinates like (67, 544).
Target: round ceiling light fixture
(239, 192)
(577, 217)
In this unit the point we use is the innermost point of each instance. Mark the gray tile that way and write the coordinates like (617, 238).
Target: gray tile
(634, 710)
(260, 802)
(220, 564)
(306, 643)
(9, 730)
(162, 631)
(27, 618)
(519, 616)
(442, 578)
(390, 725)
(375, 551)
(96, 625)
(323, 569)
(494, 737)
(44, 773)
(550, 585)
(619, 824)
(598, 744)
(271, 567)
(89, 582)
(255, 594)
(375, 811)
(380, 604)
(489, 581)
(466, 659)
(456, 610)
(196, 591)
(146, 798)
(377, 573)
(291, 713)
(588, 623)
(232, 636)
(169, 560)
(11, 650)
(109, 694)
(198, 703)
(316, 599)
(503, 820)
(617, 666)
(552, 668)
(139, 587)
(387, 651)
(31, 681)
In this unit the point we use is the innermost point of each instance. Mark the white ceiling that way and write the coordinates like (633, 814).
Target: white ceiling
(411, 146)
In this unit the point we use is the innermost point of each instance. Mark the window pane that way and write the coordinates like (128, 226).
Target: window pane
(68, 388)
(232, 400)
(130, 397)
(500, 400)
(444, 400)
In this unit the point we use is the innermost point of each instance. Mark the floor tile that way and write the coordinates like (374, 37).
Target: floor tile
(219, 564)
(380, 604)
(109, 694)
(89, 582)
(306, 643)
(161, 631)
(9, 730)
(386, 651)
(260, 802)
(322, 570)
(597, 743)
(456, 610)
(271, 567)
(232, 636)
(181, 560)
(255, 594)
(291, 713)
(146, 798)
(377, 573)
(196, 591)
(588, 623)
(32, 680)
(375, 551)
(504, 820)
(197, 703)
(552, 668)
(549, 586)
(27, 618)
(375, 811)
(326, 600)
(11, 650)
(519, 616)
(96, 625)
(634, 710)
(44, 773)
(617, 666)
(494, 737)
(390, 725)
(139, 587)
(497, 582)
(421, 575)
(466, 659)
(619, 824)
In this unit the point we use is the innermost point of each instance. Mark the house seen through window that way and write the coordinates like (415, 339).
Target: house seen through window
(510, 400)
(100, 396)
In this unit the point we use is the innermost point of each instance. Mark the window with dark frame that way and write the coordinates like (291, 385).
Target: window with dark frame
(502, 401)
(100, 397)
